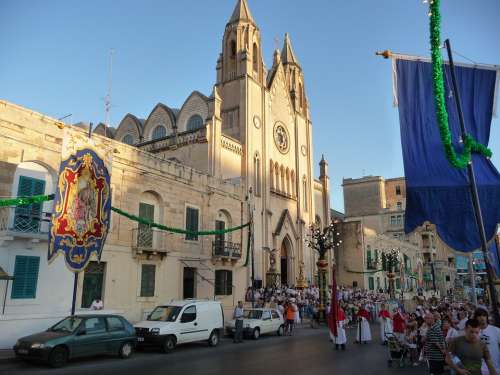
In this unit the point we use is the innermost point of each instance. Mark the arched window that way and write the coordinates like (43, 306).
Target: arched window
(128, 139)
(159, 132)
(317, 222)
(233, 49)
(255, 57)
(292, 178)
(287, 178)
(271, 175)
(300, 95)
(256, 171)
(283, 183)
(277, 176)
(194, 122)
(304, 192)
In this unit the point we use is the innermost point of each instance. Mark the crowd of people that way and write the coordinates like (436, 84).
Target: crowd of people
(446, 334)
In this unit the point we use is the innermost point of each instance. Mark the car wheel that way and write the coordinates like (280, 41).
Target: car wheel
(126, 350)
(256, 333)
(213, 340)
(58, 357)
(168, 344)
(281, 331)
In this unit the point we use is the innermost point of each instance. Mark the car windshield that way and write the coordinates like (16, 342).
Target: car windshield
(70, 324)
(165, 313)
(253, 314)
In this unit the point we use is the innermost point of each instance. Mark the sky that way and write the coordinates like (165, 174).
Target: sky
(54, 59)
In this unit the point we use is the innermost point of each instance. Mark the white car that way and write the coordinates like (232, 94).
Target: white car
(257, 322)
(180, 322)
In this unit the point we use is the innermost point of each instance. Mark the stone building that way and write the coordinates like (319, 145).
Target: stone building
(245, 150)
(255, 129)
(379, 204)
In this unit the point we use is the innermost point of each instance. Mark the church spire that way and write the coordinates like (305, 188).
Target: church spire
(287, 55)
(241, 13)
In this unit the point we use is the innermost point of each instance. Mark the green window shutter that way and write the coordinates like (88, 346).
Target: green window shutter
(223, 283)
(27, 217)
(191, 223)
(148, 280)
(370, 283)
(218, 283)
(145, 235)
(25, 277)
(229, 283)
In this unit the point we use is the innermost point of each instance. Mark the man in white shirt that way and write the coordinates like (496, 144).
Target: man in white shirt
(97, 304)
(238, 318)
(462, 319)
(489, 335)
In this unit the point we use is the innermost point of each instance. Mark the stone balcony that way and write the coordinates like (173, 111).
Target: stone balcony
(226, 250)
(149, 241)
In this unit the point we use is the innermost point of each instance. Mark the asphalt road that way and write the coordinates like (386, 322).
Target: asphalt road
(307, 352)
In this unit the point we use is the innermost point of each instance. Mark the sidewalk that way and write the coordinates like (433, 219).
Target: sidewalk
(6, 355)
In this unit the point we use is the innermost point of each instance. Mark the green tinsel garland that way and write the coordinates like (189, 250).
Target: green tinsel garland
(470, 145)
(22, 201)
(369, 272)
(176, 230)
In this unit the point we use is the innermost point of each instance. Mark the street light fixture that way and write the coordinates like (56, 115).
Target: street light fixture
(323, 240)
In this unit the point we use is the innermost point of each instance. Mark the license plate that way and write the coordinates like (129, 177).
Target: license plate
(23, 351)
(140, 339)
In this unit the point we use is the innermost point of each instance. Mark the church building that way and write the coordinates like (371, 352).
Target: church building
(255, 129)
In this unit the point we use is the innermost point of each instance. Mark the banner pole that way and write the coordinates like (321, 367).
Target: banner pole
(473, 191)
(73, 303)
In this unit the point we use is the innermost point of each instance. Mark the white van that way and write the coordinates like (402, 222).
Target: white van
(179, 322)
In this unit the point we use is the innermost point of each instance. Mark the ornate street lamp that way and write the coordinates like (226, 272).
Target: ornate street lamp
(323, 240)
(391, 261)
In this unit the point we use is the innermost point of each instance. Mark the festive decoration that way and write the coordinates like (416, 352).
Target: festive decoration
(80, 222)
(22, 201)
(43, 198)
(152, 224)
(322, 241)
(459, 161)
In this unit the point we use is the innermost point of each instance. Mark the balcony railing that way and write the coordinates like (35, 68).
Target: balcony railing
(28, 220)
(146, 239)
(226, 249)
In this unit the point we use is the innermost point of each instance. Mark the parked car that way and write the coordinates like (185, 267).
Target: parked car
(79, 336)
(180, 322)
(257, 322)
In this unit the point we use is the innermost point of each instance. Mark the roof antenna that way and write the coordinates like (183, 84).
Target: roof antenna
(107, 99)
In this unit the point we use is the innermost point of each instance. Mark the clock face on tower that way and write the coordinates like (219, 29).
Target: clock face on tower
(281, 137)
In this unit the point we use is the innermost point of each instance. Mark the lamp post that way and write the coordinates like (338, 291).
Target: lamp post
(391, 261)
(323, 240)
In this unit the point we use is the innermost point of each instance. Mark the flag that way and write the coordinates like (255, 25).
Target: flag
(82, 205)
(436, 191)
(332, 315)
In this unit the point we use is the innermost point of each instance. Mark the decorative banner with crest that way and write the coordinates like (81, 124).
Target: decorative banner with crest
(82, 206)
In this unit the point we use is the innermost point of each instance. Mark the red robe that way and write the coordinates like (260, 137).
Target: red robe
(340, 315)
(362, 313)
(384, 314)
(399, 323)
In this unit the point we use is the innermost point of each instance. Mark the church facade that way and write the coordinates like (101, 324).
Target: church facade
(254, 129)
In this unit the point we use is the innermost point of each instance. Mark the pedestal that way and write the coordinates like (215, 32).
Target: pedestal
(323, 287)
(273, 279)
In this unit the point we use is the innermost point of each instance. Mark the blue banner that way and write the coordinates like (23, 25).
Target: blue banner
(436, 191)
